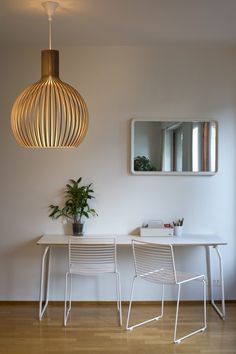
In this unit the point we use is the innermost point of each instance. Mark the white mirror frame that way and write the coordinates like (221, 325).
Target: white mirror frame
(171, 173)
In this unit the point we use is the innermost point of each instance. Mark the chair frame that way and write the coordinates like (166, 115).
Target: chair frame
(91, 243)
(154, 272)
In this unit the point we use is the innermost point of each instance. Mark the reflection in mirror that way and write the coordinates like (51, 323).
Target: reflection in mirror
(174, 147)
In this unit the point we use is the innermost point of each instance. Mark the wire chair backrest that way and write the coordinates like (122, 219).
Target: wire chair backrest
(154, 262)
(91, 256)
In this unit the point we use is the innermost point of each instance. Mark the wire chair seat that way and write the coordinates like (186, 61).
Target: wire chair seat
(160, 276)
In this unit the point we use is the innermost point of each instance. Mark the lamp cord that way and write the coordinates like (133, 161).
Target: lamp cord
(50, 8)
(50, 32)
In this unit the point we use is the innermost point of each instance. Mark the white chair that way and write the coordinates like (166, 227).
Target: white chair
(155, 263)
(91, 257)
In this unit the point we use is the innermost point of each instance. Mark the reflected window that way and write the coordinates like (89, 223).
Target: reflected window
(213, 148)
(195, 148)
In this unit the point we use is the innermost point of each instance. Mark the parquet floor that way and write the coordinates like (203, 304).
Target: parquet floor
(93, 328)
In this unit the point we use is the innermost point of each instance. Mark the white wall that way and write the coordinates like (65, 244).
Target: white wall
(118, 83)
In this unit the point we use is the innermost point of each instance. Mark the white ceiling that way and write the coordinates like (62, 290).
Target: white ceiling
(119, 22)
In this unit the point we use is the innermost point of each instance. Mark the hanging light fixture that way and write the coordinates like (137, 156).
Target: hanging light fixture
(49, 113)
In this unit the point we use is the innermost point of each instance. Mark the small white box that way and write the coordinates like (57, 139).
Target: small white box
(151, 231)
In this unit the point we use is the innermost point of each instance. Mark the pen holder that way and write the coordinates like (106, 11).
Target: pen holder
(178, 230)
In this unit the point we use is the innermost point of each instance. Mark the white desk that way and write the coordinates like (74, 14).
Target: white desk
(207, 241)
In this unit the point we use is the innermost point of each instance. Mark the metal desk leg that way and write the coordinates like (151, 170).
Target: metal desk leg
(221, 312)
(44, 284)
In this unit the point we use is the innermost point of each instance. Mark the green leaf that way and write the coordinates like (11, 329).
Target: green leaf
(76, 203)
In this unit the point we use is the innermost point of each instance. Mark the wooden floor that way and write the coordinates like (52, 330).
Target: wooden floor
(94, 329)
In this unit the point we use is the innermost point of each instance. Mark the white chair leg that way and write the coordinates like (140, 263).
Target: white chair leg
(67, 311)
(162, 301)
(118, 294)
(205, 314)
(65, 303)
(117, 291)
(147, 321)
(177, 314)
(130, 304)
(70, 292)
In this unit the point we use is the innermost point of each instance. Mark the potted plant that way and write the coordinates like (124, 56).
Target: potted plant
(76, 205)
(142, 163)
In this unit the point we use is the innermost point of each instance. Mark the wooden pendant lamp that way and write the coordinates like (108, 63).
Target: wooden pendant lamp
(49, 113)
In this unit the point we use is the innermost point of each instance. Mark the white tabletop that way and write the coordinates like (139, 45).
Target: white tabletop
(184, 240)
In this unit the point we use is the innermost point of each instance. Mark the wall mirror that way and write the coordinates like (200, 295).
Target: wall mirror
(173, 147)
